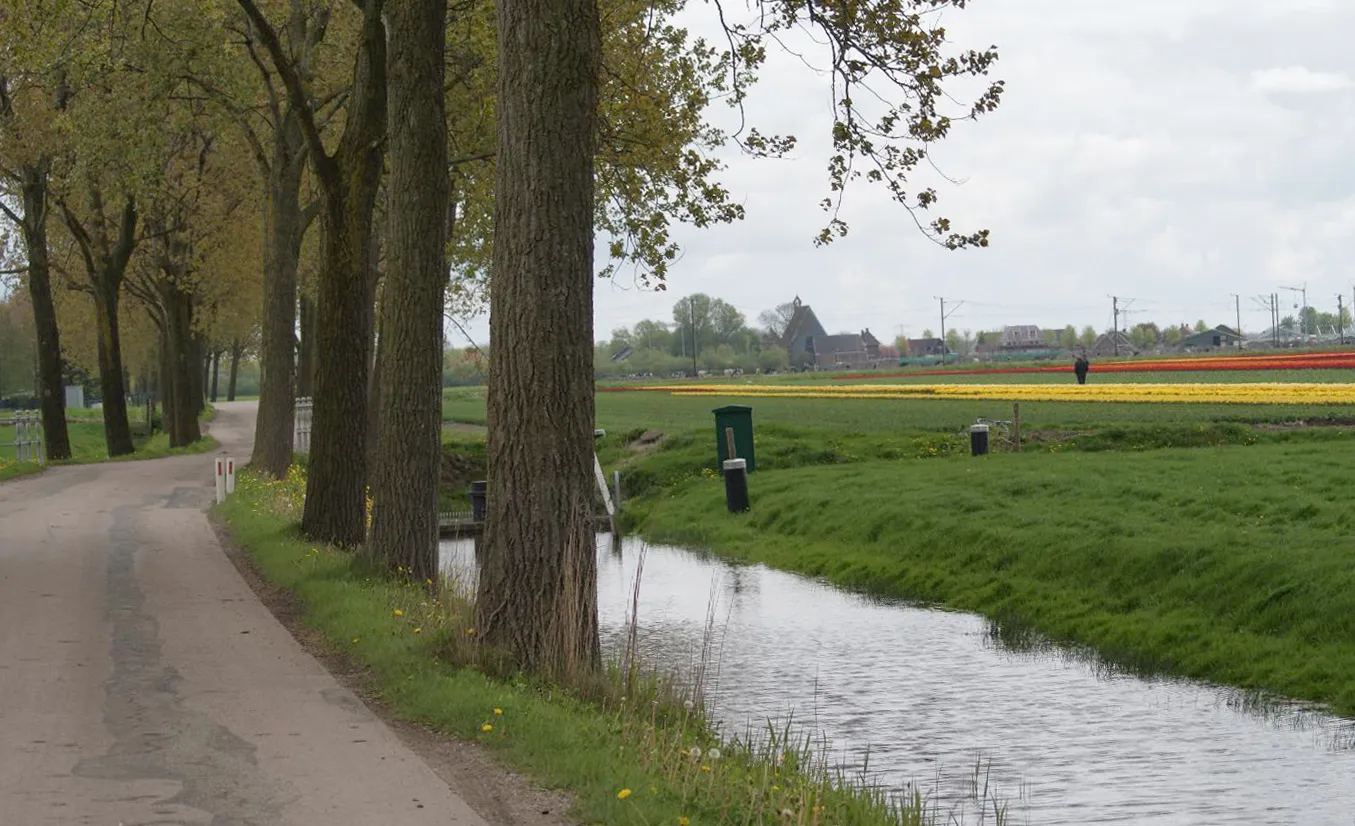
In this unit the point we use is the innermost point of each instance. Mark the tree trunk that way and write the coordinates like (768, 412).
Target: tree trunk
(374, 391)
(52, 388)
(215, 359)
(182, 393)
(538, 587)
(166, 381)
(335, 510)
(409, 361)
(305, 368)
(277, 351)
(237, 350)
(117, 430)
(204, 356)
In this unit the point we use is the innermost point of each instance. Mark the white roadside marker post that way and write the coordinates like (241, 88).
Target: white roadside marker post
(230, 476)
(220, 480)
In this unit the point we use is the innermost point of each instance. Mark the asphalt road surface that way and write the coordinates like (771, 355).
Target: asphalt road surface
(142, 683)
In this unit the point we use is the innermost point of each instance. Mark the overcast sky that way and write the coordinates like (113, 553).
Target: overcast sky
(1170, 152)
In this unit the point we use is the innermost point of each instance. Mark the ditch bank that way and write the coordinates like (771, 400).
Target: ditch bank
(1228, 564)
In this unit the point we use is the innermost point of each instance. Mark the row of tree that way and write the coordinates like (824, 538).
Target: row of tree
(330, 178)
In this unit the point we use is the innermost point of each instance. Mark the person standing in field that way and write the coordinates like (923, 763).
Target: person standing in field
(1081, 366)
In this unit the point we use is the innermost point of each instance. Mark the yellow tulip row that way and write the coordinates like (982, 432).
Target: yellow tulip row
(1236, 393)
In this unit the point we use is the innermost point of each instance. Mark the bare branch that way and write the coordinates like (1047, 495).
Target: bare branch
(324, 165)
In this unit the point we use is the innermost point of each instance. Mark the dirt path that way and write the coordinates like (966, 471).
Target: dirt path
(143, 682)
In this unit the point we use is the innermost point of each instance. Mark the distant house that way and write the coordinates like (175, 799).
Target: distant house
(1219, 338)
(1112, 344)
(923, 347)
(807, 343)
(1021, 335)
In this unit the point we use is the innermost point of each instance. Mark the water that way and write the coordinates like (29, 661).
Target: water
(930, 693)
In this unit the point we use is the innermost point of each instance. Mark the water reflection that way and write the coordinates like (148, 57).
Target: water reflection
(926, 694)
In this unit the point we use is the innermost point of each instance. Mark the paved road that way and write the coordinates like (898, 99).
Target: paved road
(142, 682)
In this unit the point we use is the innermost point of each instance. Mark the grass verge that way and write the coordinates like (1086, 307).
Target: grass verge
(89, 447)
(1229, 564)
(637, 756)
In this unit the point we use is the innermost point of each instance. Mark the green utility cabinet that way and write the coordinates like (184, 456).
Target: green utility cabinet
(740, 418)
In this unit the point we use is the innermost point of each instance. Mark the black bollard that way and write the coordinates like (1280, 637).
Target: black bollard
(736, 485)
(477, 500)
(978, 440)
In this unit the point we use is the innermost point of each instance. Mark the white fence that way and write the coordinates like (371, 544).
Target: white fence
(301, 425)
(28, 442)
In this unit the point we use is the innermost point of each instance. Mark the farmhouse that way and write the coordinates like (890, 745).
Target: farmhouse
(807, 343)
(1021, 335)
(1219, 338)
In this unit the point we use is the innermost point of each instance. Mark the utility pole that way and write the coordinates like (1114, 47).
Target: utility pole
(1303, 311)
(1237, 305)
(1115, 309)
(691, 309)
(945, 315)
(1340, 320)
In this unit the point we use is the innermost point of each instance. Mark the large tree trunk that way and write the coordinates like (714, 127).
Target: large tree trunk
(305, 367)
(335, 509)
(237, 351)
(182, 408)
(538, 586)
(277, 352)
(117, 430)
(215, 359)
(52, 387)
(336, 485)
(204, 357)
(409, 362)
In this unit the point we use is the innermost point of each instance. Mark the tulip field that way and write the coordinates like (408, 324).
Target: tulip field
(1194, 393)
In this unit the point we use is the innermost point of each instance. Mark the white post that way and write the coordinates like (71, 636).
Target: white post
(230, 476)
(220, 480)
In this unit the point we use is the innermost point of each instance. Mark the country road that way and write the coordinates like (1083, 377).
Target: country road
(143, 682)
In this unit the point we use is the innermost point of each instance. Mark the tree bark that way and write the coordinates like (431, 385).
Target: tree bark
(33, 190)
(538, 587)
(409, 360)
(237, 351)
(278, 388)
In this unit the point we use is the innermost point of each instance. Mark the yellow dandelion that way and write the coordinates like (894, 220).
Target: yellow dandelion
(418, 630)
(705, 768)
(486, 728)
(470, 632)
(623, 794)
(498, 712)
(397, 613)
(682, 821)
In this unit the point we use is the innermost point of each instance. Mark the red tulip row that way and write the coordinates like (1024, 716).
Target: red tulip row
(1301, 361)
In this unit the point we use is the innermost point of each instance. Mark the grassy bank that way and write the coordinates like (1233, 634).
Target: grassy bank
(1230, 564)
(629, 753)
